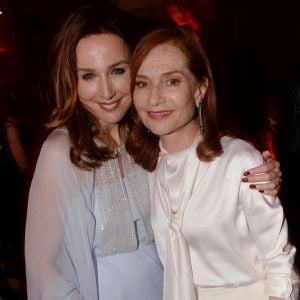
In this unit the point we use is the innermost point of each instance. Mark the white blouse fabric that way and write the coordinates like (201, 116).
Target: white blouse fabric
(61, 246)
(211, 230)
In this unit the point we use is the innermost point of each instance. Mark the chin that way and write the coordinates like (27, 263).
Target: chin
(159, 131)
(116, 118)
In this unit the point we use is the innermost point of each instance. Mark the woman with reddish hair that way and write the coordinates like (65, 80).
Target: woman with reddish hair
(216, 238)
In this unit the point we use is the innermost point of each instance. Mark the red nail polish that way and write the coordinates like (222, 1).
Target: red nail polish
(252, 186)
(245, 179)
(246, 173)
(261, 191)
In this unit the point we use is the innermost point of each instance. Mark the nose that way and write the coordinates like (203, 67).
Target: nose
(107, 89)
(156, 96)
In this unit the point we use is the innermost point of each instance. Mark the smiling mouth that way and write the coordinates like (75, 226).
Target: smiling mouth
(110, 106)
(159, 115)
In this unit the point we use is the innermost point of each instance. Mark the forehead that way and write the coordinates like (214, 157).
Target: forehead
(102, 46)
(164, 57)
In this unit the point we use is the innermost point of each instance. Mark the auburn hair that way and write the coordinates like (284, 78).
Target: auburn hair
(141, 143)
(82, 125)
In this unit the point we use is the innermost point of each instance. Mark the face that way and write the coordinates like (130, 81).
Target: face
(104, 77)
(166, 92)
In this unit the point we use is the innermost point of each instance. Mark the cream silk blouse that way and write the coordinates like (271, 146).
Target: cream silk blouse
(211, 230)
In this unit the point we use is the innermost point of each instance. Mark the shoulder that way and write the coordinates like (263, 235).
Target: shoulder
(55, 151)
(240, 151)
(235, 145)
(59, 137)
(55, 165)
(57, 143)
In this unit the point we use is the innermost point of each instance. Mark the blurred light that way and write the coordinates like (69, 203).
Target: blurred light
(182, 16)
(3, 50)
(1, 11)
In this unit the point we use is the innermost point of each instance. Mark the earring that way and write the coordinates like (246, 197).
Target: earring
(200, 107)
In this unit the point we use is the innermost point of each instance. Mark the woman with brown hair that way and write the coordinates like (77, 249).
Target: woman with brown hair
(88, 232)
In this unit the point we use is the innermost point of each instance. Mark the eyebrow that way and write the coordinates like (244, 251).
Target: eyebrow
(164, 74)
(126, 62)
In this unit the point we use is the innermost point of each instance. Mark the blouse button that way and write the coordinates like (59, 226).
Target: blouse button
(174, 212)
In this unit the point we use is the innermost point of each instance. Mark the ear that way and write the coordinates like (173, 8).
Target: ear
(201, 90)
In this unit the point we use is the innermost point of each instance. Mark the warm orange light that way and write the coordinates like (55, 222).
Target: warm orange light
(182, 17)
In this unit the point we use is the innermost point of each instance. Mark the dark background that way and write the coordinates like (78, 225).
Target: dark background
(253, 46)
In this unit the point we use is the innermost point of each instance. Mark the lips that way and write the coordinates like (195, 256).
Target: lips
(159, 115)
(111, 106)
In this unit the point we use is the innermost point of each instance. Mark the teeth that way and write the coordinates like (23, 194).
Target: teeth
(159, 115)
(162, 113)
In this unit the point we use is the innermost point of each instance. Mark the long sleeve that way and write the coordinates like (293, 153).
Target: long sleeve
(268, 227)
(57, 243)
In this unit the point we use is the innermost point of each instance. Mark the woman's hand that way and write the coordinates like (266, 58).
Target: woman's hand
(265, 178)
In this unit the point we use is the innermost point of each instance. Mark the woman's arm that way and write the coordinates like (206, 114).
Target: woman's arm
(266, 222)
(265, 178)
(49, 270)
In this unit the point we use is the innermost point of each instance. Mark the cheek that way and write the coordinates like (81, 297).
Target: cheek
(86, 91)
(123, 85)
(136, 101)
(188, 108)
(136, 106)
(140, 98)
(191, 109)
(139, 109)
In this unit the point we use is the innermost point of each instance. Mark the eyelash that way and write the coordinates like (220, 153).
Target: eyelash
(88, 76)
(118, 71)
(173, 81)
(169, 82)
(140, 84)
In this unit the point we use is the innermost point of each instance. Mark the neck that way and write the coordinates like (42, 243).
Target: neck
(116, 135)
(181, 139)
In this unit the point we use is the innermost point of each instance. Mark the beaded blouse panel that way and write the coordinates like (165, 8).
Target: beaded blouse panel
(117, 224)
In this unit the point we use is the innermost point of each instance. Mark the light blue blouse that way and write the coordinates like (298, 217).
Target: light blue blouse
(63, 234)
(128, 276)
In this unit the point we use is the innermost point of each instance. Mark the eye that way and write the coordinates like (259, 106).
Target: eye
(88, 76)
(173, 81)
(118, 71)
(140, 84)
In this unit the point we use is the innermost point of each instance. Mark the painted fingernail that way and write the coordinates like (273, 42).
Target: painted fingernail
(245, 179)
(246, 173)
(261, 191)
(252, 186)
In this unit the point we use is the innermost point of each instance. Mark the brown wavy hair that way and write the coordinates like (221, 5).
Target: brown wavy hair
(82, 126)
(142, 144)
